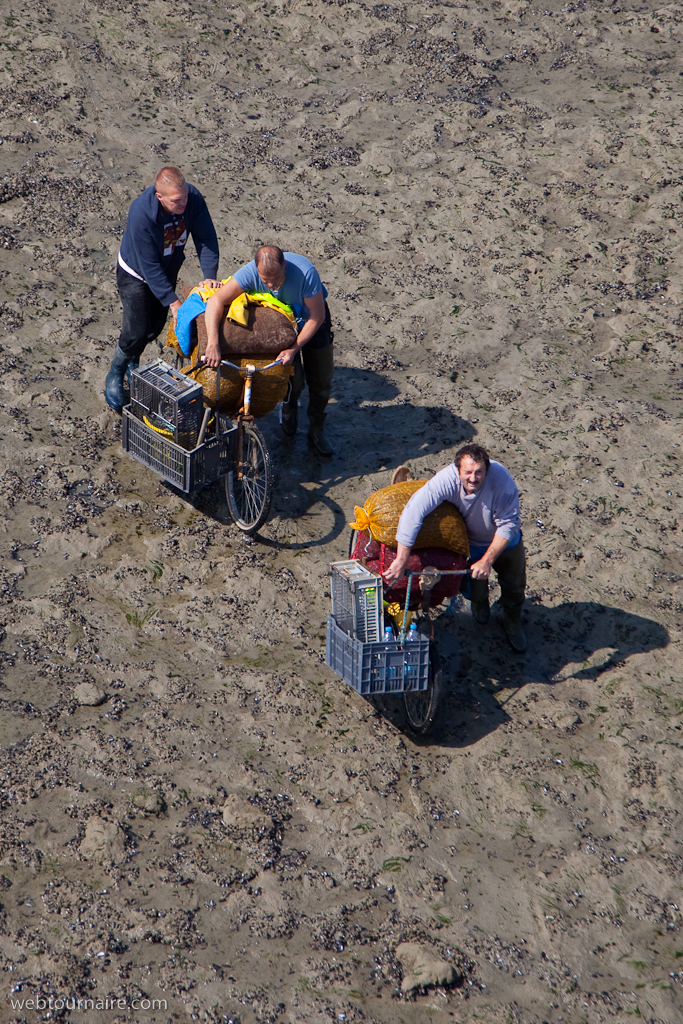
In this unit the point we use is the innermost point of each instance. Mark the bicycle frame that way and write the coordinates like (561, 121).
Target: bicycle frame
(428, 578)
(244, 414)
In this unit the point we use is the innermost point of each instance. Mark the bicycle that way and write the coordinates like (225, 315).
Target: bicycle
(421, 706)
(158, 417)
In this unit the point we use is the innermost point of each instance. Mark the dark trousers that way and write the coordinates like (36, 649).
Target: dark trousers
(315, 367)
(510, 567)
(144, 317)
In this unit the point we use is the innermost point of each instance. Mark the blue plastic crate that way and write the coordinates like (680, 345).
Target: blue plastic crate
(384, 667)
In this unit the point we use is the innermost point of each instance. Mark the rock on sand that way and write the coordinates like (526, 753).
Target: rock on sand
(103, 842)
(89, 695)
(421, 969)
(239, 813)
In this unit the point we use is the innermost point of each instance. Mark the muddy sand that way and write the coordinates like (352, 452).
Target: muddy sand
(195, 809)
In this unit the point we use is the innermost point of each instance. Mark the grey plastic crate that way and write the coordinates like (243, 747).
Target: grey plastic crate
(162, 393)
(357, 600)
(187, 470)
(384, 667)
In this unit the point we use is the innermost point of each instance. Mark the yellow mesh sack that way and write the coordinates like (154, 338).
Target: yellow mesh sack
(442, 528)
(172, 341)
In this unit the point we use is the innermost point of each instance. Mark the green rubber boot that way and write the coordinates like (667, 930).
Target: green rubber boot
(113, 385)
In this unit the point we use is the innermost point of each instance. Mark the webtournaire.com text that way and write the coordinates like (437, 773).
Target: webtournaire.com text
(77, 1003)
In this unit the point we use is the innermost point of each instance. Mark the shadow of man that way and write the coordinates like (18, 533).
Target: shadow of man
(370, 431)
(577, 640)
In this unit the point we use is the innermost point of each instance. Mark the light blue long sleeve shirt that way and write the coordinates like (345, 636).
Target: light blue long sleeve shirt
(494, 509)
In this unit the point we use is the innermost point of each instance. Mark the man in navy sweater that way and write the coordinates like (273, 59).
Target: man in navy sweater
(151, 255)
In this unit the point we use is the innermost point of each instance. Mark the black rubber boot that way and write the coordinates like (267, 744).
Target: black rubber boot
(113, 385)
(132, 365)
(514, 632)
(481, 613)
(318, 438)
(511, 569)
(319, 369)
(479, 596)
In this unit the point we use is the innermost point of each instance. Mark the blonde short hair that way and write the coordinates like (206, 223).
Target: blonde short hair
(169, 179)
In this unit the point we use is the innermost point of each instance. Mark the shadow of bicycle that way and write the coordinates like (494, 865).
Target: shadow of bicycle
(370, 431)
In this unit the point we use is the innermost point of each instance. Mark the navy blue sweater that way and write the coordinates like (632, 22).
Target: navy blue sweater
(153, 244)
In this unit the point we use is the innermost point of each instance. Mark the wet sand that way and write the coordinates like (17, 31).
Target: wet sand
(195, 809)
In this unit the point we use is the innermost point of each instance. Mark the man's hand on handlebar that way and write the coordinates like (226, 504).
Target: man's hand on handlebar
(397, 567)
(287, 356)
(481, 570)
(394, 572)
(212, 356)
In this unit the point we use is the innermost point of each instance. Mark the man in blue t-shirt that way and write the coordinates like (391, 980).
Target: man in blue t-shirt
(294, 280)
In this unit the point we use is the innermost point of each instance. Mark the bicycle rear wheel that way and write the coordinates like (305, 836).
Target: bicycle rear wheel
(249, 484)
(420, 707)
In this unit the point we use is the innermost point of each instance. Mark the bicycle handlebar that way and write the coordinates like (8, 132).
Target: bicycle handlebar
(437, 572)
(240, 369)
(257, 369)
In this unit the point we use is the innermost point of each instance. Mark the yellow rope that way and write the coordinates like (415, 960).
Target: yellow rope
(159, 430)
(165, 432)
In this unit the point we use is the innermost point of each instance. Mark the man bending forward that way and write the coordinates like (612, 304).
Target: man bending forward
(488, 500)
(294, 280)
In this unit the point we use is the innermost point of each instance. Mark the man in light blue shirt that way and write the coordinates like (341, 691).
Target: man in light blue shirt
(293, 280)
(488, 500)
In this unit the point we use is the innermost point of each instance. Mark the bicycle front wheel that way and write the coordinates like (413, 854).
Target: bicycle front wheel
(249, 484)
(421, 707)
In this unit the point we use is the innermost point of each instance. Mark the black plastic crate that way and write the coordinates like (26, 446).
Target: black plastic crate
(187, 470)
(169, 399)
(384, 667)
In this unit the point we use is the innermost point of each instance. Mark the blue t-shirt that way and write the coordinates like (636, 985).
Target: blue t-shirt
(302, 281)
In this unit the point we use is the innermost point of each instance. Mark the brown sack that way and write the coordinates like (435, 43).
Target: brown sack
(442, 528)
(268, 332)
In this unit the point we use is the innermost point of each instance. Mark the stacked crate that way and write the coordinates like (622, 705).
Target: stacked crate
(355, 648)
(161, 428)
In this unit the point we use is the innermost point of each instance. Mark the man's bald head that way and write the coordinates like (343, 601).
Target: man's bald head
(270, 263)
(269, 258)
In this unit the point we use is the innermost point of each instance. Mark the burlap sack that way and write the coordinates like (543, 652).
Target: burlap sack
(442, 528)
(172, 341)
(268, 388)
(267, 333)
